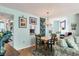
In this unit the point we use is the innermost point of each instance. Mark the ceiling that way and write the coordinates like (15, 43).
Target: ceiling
(6, 16)
(40, 9)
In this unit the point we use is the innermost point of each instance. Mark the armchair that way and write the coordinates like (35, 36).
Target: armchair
(4, 39)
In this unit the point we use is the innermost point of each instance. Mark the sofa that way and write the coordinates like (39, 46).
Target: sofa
(66, 51)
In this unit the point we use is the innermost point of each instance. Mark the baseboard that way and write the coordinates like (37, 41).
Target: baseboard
(33, 45)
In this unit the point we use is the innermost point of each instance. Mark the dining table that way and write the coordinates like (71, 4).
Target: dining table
(45, 40)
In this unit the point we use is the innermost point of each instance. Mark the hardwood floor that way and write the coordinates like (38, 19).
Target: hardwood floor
(10, 51)
(25, 52)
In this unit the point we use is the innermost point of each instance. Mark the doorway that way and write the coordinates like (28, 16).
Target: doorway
(6, 24)
(42, 27)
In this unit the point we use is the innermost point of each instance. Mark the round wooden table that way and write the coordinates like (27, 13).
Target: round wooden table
(46, 38)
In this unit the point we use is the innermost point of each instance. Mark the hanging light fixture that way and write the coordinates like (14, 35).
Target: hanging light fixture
(47, 20)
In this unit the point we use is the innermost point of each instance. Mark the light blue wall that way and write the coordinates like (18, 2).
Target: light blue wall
(56, 26)
(21, 35)
(69, 20)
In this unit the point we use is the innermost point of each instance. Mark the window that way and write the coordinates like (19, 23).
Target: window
(2, 26)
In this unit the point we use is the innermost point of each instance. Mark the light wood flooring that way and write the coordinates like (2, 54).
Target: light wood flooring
(10, 51)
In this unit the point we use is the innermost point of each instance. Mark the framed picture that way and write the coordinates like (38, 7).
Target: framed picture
(33, 20)
(63, 24)
(32, 31)
(22, 22)
(73, 26)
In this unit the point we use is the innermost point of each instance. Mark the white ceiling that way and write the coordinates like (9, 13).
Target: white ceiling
(6, 16)
(40, 9)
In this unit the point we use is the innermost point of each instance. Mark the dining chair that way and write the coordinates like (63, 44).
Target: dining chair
(52, 41)
(38, 41)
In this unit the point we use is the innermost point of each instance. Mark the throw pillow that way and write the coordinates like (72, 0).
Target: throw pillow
(71, 43)
(1, 34)
(77, 39)
(62, 43)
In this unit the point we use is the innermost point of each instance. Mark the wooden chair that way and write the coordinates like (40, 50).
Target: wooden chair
(38, 41)
(52, 41)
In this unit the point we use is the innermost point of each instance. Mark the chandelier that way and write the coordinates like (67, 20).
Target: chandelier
(47, 23)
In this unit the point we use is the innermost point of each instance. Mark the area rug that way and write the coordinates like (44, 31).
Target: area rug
(42, 52)
(56, 51)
